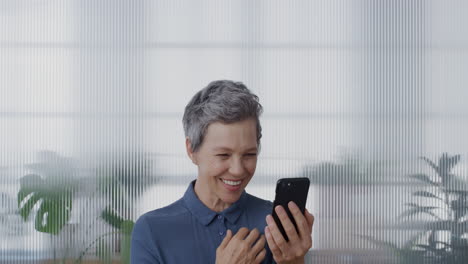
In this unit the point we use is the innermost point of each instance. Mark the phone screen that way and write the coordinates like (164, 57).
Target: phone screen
(290, 189)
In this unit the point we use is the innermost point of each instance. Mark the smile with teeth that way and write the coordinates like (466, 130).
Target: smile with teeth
(232, 183)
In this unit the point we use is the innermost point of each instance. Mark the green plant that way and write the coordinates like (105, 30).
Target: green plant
(441, 235)
(55, 203)
(124, 228)
(51, 187)
(120, 180)
(123, 178)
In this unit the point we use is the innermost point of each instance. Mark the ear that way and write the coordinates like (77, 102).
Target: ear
(190, 153)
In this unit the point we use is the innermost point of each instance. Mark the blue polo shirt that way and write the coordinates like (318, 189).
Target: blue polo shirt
(189, 232)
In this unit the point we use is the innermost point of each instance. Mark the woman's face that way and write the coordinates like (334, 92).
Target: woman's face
(226, 162)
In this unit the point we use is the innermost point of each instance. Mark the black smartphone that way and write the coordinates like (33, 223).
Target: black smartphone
(290, 189)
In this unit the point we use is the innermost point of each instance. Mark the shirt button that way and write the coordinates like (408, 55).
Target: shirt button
(220, 217)
(221, 233)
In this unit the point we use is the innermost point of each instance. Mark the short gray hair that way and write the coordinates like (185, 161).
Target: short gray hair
(221, 101)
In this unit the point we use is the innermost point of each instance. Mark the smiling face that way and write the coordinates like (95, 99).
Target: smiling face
(226, 162)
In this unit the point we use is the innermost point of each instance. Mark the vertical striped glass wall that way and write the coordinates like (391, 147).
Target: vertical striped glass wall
(366, 98)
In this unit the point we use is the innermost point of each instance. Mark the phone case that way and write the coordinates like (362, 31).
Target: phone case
(290, 189)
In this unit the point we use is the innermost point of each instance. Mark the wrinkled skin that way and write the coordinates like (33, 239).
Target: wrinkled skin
(245, 247)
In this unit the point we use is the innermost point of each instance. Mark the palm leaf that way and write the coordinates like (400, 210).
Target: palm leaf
(380, 243)
(436, 251)
(446, 163)
(447, 225)
(454, 184)
(411, 242)
(431, 163)
(420, 210)
(423, 178)
(426, 194)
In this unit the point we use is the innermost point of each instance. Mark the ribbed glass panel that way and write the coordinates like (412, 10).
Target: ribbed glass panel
(366, 98)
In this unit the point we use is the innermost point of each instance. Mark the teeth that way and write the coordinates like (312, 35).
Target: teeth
(234, 183)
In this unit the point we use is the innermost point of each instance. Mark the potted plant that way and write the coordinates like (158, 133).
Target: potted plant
(53, 188)
(440, 209)
(120, 180)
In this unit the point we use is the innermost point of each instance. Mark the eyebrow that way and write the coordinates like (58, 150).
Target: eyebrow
(228, 149)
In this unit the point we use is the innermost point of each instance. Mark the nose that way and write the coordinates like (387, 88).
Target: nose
(236, 167)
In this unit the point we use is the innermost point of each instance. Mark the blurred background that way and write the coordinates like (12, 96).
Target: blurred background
(366, 98)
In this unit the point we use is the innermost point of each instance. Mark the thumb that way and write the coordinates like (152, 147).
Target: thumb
(226, 239)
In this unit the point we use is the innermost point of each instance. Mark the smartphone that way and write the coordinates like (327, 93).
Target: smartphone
(290, 189)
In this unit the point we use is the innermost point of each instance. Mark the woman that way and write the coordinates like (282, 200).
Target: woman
(216, 221)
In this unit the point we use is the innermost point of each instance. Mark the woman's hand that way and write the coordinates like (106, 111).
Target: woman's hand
(243, 248)
(299, 242)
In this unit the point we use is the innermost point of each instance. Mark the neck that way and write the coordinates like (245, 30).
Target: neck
(209, 199)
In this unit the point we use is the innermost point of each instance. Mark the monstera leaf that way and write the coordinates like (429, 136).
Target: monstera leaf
(54, 201)
(125, 228)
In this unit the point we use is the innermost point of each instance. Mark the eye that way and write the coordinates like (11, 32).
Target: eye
(251, 154)
(223, 155)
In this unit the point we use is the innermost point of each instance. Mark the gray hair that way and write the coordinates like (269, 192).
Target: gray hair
(221, 101)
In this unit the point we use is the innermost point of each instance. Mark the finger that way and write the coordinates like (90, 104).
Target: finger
(301, 222)
(310, 219)
(259, 245)
(253, 235)
(226, 239)
(287, 224)
(242, 233)
(271, 243)
(259, 258)
(276, 235)
(307, 239)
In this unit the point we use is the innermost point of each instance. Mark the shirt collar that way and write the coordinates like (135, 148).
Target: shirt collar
(205, 215)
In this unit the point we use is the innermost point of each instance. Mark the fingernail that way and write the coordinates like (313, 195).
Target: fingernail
(279, 209)
(293, 206)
